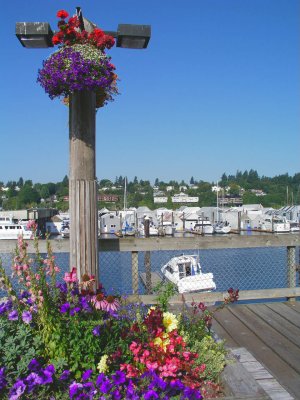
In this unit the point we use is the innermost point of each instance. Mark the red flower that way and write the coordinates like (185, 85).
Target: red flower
(55, 40)
(74, 22)
(62, 14)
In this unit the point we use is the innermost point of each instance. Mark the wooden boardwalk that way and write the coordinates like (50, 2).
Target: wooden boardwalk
(266, 340)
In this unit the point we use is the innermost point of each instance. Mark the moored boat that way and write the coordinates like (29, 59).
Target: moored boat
(222, 227)
(14, 231)
(186, 273)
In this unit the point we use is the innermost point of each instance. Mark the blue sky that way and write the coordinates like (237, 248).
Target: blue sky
(216, 91)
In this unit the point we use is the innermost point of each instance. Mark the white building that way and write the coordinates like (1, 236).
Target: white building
(161, 199)
(183, 198)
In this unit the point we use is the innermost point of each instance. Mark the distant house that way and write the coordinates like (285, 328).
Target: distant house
(258, 192)
(160, 199)
(169, 188)
(183, 198)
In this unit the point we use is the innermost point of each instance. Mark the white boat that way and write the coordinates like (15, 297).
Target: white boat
(222, 227)
(153, 231)
(204, 226)
(11, 230)
(186, 273)
(294, 226)
(275, 224)
(65, 228)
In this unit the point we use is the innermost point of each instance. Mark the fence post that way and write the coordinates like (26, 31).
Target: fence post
(291, 259)
(135, 271)
(148, 272)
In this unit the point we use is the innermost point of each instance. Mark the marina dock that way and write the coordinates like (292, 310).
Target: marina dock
(265, 338)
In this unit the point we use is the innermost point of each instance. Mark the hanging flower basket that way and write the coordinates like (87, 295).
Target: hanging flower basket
(80, 63)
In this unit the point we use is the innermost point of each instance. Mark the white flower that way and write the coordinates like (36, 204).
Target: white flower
(102, 366)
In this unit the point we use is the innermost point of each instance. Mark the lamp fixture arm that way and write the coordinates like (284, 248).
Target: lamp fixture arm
(80, 18)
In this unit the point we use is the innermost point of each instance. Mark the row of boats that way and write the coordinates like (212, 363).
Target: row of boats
(112, 224)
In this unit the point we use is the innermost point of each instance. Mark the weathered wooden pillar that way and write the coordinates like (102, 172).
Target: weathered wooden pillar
(83, 184)
(147, 259)
(135, 271)
(292, 269)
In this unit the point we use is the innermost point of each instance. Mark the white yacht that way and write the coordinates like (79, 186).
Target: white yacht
(186, 273)
(275, 224)
(204, 227)
(10, 230)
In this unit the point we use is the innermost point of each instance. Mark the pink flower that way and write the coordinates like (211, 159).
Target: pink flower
(31, 225)
(99, 301)
(71, 277)
(112, 304)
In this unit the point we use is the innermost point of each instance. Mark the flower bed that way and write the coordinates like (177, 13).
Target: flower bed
(68, 339)
(80, 63)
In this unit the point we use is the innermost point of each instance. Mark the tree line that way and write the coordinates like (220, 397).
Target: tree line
(277, 191)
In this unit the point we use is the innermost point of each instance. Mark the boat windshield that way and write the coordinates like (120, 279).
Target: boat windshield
(187, 269)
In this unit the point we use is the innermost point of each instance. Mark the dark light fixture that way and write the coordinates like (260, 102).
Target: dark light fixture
(133, 36)
(34, 35)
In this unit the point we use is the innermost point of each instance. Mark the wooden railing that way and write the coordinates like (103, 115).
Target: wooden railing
(136, 245)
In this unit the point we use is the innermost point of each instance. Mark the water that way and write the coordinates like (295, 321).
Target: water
(245, 269)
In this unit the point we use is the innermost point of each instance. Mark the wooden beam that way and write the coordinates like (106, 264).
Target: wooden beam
(213, 297)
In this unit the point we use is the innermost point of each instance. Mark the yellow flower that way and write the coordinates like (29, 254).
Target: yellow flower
(162, 341)
(102, 366)
(170, 321)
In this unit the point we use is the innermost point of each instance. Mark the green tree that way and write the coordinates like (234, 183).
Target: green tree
(28, 196)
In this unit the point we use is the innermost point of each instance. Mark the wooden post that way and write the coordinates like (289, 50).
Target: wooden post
(147, 260)
(146, 227)
(291, 261)
(148, 272)
(239, 221)
(83, 184)
(135, 272)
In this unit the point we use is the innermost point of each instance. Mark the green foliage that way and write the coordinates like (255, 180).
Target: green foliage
(164, 291)
(18, 346)
(212, 354)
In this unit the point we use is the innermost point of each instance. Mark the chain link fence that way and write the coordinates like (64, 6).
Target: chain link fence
(137, 272)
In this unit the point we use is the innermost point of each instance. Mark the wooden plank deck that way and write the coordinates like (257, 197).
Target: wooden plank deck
(266, 340)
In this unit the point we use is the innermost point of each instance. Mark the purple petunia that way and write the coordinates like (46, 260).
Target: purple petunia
(74, 388)
(47, 374)
(105, 386)
(151, 395)
(74, 311)
(87, 374)
(97, 330)
(63, 288)
(64, 307)
(192, 394)
(32, 380)
(27, 317)
(67, 70)
(17, 390)
(65, 375)
(119, 378)
(3, 381)
(34, 365)
(13, 315)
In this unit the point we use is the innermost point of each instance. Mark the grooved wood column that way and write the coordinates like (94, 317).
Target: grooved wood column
(82, 184)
